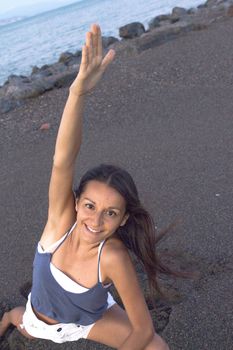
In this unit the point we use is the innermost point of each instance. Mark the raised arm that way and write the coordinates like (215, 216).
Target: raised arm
(61, 202)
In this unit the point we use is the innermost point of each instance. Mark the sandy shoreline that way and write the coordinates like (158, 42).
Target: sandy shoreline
(165, 114)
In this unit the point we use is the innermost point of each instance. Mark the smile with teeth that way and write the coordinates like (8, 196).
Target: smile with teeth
(92, 230)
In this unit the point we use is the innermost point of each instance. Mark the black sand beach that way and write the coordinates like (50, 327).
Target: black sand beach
(165, 114)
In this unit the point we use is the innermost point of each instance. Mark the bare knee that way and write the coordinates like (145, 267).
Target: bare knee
(16, 315)
(157, 343)
(16, 318)
(13, 317)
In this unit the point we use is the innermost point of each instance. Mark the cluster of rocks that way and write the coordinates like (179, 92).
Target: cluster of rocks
(161, 28)
(17, 88)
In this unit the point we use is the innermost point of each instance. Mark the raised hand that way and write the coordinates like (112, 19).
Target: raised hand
(92, 64)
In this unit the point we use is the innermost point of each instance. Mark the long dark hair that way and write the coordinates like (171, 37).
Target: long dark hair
(139, 234)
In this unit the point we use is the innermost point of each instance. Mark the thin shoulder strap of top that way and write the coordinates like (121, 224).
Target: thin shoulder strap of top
(66, 235)
(99, 254)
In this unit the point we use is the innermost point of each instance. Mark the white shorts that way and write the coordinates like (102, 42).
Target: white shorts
(58, 333)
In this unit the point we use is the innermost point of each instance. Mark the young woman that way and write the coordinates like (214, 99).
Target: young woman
(72, 272)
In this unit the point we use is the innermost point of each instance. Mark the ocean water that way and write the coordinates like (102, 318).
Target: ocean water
(41, 39)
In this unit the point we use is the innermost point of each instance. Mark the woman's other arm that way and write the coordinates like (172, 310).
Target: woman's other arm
(119, 268)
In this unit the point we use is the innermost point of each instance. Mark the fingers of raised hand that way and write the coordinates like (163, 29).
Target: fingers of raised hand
(84, 61)
(94, 45)
(89, 46)
(95, 33)
(92, 52)
(98, 38)
(108, 59)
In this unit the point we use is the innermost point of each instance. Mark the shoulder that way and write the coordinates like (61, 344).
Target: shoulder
(115, 259)
(114, 251)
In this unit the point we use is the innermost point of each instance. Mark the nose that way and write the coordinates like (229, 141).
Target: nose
(97, 220)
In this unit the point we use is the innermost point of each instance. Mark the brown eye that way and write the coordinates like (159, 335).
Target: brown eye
(89, 206)
(111, 213)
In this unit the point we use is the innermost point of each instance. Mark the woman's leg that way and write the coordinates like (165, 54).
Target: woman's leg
(114, 327)
(14, 317)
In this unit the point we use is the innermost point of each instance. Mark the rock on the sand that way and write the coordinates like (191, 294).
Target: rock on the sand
(20, 87)
(131, 30)
(177, 14)
(45, 126)
(7, 105)
(108, 40)
(154, 23)
(179, 11)
(69, 58)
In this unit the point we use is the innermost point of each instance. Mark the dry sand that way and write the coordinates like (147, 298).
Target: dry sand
(166, 116)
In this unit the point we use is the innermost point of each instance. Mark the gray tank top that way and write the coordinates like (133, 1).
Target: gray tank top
(50, 299)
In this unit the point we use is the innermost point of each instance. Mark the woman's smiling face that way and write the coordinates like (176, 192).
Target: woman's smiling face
(100, 211)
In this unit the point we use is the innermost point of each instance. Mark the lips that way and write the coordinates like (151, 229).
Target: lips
(91, 229)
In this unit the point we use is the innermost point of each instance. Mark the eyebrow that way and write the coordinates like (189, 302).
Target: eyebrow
(108, 207)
